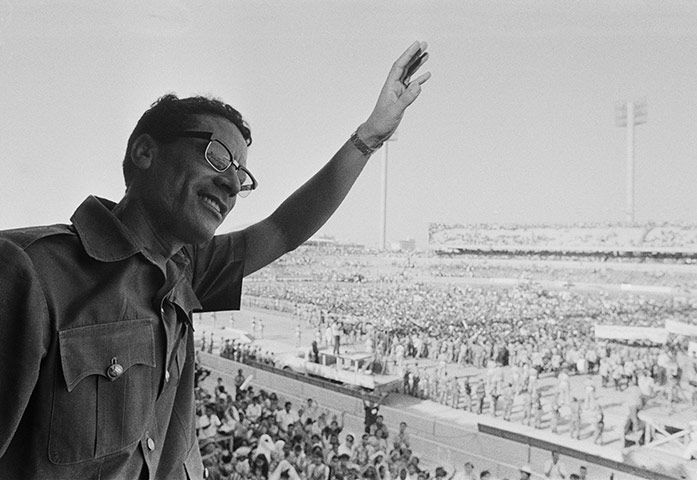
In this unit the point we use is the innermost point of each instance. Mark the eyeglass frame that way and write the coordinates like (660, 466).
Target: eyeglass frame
(209, 136)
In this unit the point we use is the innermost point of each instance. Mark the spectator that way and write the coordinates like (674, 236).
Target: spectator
(286, 417)
(554, 468)
(371, 410)
(525, 472)
(402, 439)
(467, 473)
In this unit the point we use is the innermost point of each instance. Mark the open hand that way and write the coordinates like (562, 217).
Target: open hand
(399, 91)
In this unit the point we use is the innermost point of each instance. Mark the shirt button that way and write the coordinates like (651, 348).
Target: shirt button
(114, 371)
(151, 444)
(166, 375)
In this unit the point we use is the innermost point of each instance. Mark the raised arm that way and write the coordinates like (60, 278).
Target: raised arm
(310, 206)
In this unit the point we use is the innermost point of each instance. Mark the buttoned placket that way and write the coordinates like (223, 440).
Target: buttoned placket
(169, 317)
(174, 324)
(174, 335)
(169, 351)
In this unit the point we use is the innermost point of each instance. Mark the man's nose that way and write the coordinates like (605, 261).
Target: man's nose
(229, 181)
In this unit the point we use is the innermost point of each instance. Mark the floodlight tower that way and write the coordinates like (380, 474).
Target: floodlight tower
(629, 114)
(383, 195)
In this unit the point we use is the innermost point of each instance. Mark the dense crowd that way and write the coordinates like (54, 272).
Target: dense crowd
(246, 433)
(567, 274)
(514, 362)
(436, 307)
(514, 334)
(571, 236)
(530, 330)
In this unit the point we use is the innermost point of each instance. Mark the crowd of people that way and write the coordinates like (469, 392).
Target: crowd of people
(245, 433)
(579, 236)
(532, 332)
(514, 336)
(568, 277)
(510, 387)
(441, 311)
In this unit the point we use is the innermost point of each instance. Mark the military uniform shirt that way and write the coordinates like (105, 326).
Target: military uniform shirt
(97, 349)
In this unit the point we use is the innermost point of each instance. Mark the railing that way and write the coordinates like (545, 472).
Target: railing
(656, 435)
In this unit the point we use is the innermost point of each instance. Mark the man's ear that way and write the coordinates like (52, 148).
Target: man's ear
(143, 152)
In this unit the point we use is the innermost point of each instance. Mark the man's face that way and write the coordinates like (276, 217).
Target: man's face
(185, 196)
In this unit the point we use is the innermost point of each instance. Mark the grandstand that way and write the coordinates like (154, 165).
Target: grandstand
(616, 240)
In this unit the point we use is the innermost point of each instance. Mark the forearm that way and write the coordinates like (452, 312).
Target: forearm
(303, 213)
(311, 205)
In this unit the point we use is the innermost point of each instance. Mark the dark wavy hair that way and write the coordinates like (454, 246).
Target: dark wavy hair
(170, 113)
(263, 467)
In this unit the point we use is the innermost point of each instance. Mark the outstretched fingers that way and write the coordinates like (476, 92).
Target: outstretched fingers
(409, 63)
(413, 89)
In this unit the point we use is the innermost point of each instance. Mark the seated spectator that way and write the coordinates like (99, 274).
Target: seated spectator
(317, 469)
(253, 411)
(441, 473)
(208, 423)
(348, 446)
(259, 467)
(402, 438)
(286, 417)
(284, 470)
(333, 428)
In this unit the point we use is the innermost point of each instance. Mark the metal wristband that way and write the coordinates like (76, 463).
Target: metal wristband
(361, 145)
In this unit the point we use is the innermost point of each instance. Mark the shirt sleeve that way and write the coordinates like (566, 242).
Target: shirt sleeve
(218, 267)
(24, 336)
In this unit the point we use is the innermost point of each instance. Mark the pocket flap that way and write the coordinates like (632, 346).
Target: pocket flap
(89, 350)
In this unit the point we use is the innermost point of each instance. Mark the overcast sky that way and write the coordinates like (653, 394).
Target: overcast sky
(516, 125)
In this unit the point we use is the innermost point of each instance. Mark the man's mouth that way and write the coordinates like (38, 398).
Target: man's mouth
(214, 204)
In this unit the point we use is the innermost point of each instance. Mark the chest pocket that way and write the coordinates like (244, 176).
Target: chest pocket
(108, 393)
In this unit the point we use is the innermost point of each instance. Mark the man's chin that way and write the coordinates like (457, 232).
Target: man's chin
(201, 235)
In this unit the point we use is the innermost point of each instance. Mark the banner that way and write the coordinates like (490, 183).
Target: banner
(619, 332)
(681, 328)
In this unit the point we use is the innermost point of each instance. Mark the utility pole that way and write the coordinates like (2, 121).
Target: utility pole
(383, 195)
(630, 114)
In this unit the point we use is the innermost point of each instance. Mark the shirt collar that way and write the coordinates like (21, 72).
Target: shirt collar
(106, 239)
(102, 234)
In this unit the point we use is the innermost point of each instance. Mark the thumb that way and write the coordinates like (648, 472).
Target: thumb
(410, 94)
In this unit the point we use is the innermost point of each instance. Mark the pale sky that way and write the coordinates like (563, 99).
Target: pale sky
(515, 126)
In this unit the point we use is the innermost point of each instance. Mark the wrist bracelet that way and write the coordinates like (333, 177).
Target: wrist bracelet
(361, 145)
